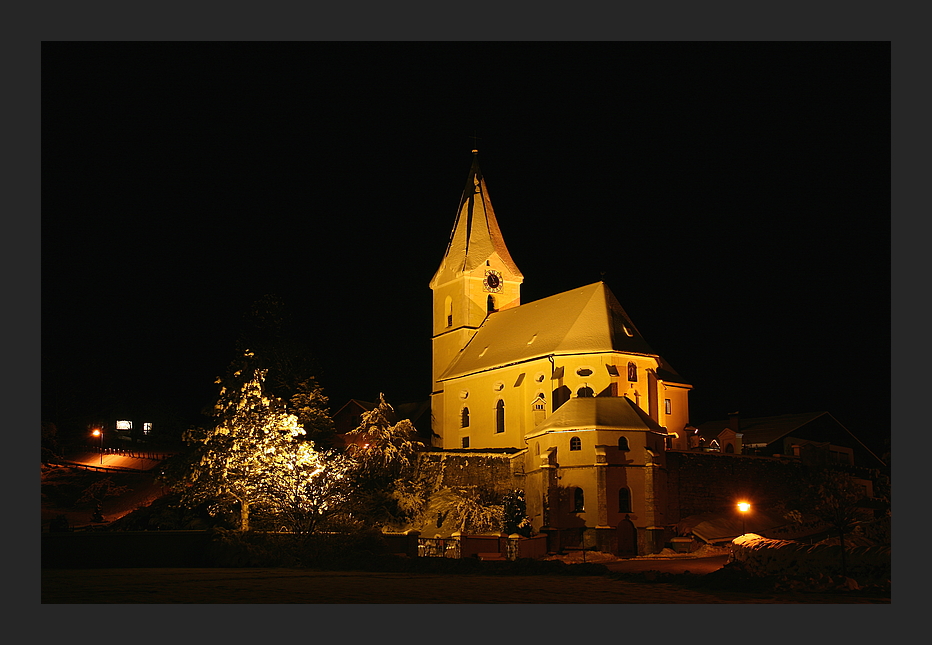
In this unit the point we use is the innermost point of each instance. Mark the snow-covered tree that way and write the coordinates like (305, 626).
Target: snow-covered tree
(383, 448)
(305, 487)
(384, 453)
(514, 512)
(233, 459)
(477, 511)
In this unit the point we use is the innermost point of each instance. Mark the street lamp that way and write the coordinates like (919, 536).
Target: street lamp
(743, 507)
(100, 433)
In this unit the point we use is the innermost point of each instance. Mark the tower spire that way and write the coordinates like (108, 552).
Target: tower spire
(476, 236)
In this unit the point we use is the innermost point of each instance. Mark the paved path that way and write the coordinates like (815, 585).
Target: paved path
(113, 460)
(669, 565)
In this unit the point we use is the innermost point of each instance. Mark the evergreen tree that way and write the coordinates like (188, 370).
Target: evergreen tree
(270, 331)
(312, 407)
(383, 448)
(385, 461)
(514, 511)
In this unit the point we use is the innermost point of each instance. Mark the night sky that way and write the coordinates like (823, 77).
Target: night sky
(735, 197)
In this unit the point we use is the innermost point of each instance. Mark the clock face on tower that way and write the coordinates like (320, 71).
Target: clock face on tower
(492, 281)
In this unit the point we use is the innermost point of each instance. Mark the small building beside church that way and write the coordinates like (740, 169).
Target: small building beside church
(816, 437)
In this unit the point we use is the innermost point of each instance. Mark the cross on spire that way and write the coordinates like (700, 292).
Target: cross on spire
(475, 145)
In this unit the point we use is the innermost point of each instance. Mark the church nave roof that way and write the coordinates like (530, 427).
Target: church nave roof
(580, 321)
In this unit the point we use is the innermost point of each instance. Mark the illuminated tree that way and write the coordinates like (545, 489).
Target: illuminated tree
(233, 460)
(306, 487)
(271, 333)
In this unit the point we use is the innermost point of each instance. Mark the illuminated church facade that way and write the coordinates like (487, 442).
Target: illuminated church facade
(566, 384)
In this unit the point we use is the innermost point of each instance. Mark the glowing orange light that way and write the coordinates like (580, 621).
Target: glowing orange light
(96, 432)
(744, 507)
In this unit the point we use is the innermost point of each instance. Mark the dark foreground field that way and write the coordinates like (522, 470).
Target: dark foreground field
(282, 586)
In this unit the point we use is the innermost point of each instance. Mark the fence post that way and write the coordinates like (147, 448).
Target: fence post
(411, 546)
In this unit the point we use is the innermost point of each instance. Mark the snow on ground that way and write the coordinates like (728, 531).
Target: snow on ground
(704, 551)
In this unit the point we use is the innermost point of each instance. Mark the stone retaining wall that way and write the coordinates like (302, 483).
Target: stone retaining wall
(498, 472)
(762, 556)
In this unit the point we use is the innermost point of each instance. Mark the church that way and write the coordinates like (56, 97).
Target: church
(567, 386)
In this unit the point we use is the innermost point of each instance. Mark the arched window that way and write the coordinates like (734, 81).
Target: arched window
(490, 304)
(500, 416)
(579, 500)
(575, 444)
(464, 418)
(729, 448)
(623, 443)
(448, 309)
(624, 500)
(632, 372)
(585, 391)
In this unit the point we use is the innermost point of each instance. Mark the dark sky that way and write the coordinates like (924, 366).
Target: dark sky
(736, 197)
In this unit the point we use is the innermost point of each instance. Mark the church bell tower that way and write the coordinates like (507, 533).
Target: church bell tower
(476, 277)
